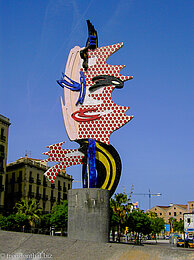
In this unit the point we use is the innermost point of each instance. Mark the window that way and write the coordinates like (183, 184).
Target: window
(174, 208)
(180, 212)
(64, 196)
(13, 176)
(59, 196)
(68, 186)
(44, 205)
(174, 213)
(2, 148)
(30, 188)
(160, 214)
(169, 213)
(2, 131)
(37, 190)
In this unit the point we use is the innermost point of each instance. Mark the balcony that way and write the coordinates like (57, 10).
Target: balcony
(38, 182)
(31, 180)
(38, 196)
(45, 197)
(2, 188)
(18, 194)
(53, 199)
(44, 183)
(19, 179)
(31, 194)
(3, 138)
(2, 155)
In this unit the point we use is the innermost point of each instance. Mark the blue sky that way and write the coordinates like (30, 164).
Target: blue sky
(156, 147)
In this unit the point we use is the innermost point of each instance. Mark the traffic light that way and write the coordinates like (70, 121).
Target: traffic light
(126, 230)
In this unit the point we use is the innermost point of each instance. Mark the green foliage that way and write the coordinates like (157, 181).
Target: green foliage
(119, 208)
(3, 222)
(139, 222)
(157, 224)
(178, 226)
(15, 222)
(31, 209)
(45, 221)
(59, 216)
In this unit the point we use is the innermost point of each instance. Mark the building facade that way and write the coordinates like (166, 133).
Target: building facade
(4, 129)
(174, 211)
(25, 179)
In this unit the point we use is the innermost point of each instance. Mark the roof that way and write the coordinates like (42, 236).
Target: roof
(164, 207)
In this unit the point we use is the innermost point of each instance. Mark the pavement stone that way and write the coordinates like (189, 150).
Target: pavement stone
(16, 245)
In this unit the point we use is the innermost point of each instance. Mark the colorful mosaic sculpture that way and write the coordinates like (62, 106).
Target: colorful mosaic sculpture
(90, 115)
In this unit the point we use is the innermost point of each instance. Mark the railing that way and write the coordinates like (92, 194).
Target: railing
(31, 194)
(31, 180)
(18, 194)
(2, 138)
(38, 181)
(53, 199)
(44, 183)
(19, 179)
(38, 196)
(2, 188)
(2, 155)
(45, 197)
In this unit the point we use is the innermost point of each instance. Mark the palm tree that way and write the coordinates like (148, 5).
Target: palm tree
(29, 208)
(120, 207)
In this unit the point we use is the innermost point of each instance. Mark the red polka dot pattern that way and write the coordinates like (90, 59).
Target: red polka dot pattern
(114, 116)
(65, 157)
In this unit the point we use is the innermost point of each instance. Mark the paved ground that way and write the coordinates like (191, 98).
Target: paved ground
(15, 245)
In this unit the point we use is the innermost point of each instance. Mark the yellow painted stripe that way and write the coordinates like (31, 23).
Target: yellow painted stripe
(113, 167)
(102, 158)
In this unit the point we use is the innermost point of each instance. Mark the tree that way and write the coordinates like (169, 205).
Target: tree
(177, 225)
(157, 224)
(31, 209)
(139, 222)
(15, 222)
(59, 216)
(120, 207)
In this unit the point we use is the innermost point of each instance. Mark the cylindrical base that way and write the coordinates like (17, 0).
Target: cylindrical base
(88, 214)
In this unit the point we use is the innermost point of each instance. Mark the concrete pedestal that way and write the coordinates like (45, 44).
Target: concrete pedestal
(88, 214)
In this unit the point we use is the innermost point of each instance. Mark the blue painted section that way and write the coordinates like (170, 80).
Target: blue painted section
(74, 86)
(92, 41)
(91, 163)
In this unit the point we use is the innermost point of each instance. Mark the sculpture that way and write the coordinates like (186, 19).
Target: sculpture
(90, 115)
